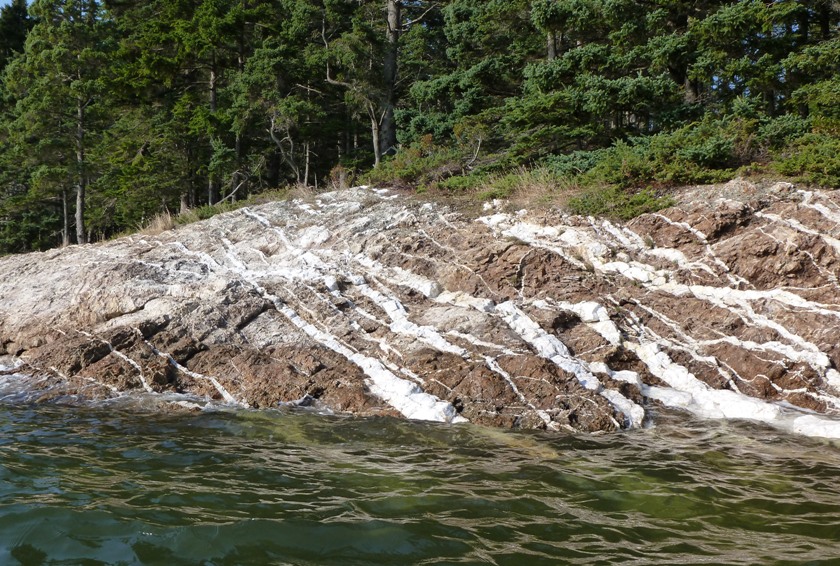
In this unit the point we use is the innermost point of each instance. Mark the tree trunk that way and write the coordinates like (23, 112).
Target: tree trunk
(824, 18)
(239, 166)
(212, 182)
(81, 182)
(375, 133)
(288, 157)
(81, 235)
(551, 41)
(65, 217)
(388, 128)
(240, 67)
(692, 91)
(306, 164)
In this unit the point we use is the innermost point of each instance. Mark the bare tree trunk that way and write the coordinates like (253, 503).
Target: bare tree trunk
(287, 156)
(388, 128)
(240, 65)
(81, 235)
(65, 217)
(212, 182)
(239, 161)
(306, 164)
(691, 91)
(192, 188)
(375, 133)
(81, 182)
(551, 49)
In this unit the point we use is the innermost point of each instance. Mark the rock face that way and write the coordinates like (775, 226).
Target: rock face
(369, 302)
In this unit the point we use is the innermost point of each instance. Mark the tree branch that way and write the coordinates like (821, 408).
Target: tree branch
(420, 18)
(475, 155)
(239, 186)
(308, 88)
(330, 80)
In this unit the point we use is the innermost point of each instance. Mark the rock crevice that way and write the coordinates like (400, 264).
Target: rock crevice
(368, 302)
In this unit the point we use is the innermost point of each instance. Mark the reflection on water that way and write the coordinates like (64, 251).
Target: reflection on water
(120, 486)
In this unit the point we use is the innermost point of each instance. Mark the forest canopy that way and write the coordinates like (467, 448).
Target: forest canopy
(113, 111)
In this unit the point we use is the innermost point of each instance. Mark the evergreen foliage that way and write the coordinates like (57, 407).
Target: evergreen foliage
(115, 111)
(15, 24)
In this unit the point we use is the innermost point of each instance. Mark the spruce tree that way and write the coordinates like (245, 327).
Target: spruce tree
(15, 24)
(57, 88)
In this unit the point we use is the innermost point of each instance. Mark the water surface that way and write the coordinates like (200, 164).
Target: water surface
(118, 485)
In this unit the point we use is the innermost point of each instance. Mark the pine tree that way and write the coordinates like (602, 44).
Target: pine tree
(15, 24)
(56, 85)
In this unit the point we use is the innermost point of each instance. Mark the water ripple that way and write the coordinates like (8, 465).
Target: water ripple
(129, 487)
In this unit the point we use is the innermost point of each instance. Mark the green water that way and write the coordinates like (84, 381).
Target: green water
(126, 486)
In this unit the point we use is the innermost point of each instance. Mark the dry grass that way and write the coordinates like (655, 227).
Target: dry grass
(340, 178)
(299, 192)
(529, 188)
(267, 249)
(160, 222)
(538, 188)
(302, 192)
(265, 197)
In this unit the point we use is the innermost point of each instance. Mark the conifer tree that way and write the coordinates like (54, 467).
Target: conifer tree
(57, 87)
(15, 23)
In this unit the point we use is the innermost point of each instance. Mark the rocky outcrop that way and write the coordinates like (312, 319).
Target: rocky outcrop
(372, 303)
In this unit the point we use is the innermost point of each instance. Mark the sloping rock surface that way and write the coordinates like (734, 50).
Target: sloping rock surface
(368, 302)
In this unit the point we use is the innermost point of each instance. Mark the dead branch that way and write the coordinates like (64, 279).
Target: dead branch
(420, 18)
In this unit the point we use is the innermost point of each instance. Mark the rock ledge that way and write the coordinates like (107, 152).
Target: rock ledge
(367, 302)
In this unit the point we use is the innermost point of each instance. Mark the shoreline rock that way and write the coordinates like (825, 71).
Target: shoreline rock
(371, 303)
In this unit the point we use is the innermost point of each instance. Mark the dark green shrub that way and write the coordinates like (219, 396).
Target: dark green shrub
(462, 183)
(574, 163)
(776, 133)
(691, 153)
(421, 163)
(707, 151)
(814, 158)
(710, 153)
(623, 165)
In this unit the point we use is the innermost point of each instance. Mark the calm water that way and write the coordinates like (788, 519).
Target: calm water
(121, 485)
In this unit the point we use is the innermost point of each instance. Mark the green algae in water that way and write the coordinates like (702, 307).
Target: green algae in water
(95, 486)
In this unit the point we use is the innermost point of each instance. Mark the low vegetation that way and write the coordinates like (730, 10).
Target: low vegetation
(112, 113)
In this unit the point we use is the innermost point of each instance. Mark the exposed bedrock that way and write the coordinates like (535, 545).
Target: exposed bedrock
(372, 303)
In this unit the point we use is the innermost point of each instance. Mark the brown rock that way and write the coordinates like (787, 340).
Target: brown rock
(270, 302)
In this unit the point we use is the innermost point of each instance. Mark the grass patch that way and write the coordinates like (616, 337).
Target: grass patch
(205, 212)
(617, 203)
(164, 221)
(160, 222)
(209, 211)
(523, 186)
